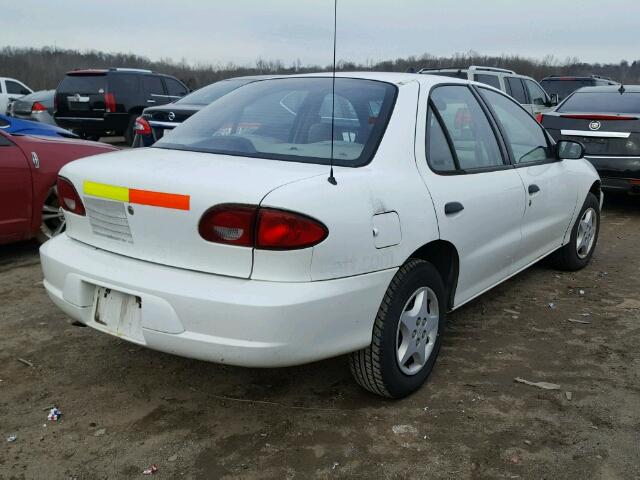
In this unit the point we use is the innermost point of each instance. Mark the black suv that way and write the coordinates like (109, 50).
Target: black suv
(97, 102)
(563, 86)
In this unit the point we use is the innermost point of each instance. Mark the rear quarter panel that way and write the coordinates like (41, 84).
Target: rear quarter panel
(390, 183)
(53, 154)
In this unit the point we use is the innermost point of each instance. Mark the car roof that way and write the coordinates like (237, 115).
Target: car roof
(611, 89)
(395, 78)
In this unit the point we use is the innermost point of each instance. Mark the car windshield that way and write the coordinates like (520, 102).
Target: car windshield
(290, 119)
(83, 83)
(210, 93)
(605, 102)
(564, 88)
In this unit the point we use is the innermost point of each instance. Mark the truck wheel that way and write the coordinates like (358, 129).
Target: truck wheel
(129, 133)
(576, 254)
(407, 333)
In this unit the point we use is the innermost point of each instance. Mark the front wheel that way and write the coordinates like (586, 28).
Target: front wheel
(576, 254)
(406, 335)
(52, 218)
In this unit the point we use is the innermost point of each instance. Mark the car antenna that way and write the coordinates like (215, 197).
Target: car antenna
(332, 180)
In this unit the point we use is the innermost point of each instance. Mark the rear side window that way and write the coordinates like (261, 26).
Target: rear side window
(16, 88)
(516, 89)
(153, 85)
(537, 95)
(124, 83)
(602, 102)
(524, 135)
(175, 88)
(439, 154)
(473, 139)
(492, 80)
(83, 84)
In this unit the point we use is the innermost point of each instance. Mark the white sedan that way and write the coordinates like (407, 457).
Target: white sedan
(226, 242)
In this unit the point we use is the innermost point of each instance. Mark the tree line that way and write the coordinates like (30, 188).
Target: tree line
(43, 68)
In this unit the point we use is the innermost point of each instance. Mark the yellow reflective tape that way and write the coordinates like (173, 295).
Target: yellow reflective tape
(102, 190)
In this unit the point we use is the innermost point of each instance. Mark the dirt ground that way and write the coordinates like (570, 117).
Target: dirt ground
(126, 407)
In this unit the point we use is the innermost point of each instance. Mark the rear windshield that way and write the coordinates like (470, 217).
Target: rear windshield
(83, 84)
(210, 93)
(456, 74)
(564, 88)
(602, 102)
(290, 119)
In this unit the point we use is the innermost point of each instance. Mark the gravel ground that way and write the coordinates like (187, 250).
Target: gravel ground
(125, 407)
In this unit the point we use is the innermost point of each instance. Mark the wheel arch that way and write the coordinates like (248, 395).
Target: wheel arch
(596, 189)
(444, 256)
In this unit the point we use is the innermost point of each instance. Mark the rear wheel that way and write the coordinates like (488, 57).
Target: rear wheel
(53, 222)
(406, 334)
(576, 254)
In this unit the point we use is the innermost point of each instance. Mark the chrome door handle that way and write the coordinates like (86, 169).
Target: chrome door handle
(151, 101)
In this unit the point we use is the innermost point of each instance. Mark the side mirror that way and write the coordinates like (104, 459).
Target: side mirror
(554, 100)
(569, 150)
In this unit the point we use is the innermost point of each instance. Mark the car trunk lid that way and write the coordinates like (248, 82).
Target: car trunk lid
(82, 94)
(607, 134)
(147, 203)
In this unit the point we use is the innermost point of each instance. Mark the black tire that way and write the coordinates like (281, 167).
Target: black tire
(376, 368)
(129, 133)
(568, 257)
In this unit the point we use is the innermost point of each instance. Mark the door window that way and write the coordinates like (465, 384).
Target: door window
(516, 89)
(175, 88)
(439, 154)
(536, 93)
(525, 136)
(16, 89)
(153, 86)
(492, 80)
(473, 139)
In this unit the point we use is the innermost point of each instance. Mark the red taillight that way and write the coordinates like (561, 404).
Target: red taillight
(539, 118)
(142, 127)
(598, 117)
(69, 198)
(262, 228)
(230, 224)
(110, 102)
(281, 230)
(38, 107)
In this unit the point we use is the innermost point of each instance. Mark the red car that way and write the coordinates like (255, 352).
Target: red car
(29, 168)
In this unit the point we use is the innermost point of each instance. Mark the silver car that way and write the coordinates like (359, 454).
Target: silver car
(37, 106)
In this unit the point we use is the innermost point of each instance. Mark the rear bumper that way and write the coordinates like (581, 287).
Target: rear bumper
(108, 122)
(220, 319)
(618, 174)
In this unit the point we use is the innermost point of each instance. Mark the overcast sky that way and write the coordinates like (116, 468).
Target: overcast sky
(240, 31)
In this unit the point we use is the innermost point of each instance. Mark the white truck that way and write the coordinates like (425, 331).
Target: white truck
(10, 90)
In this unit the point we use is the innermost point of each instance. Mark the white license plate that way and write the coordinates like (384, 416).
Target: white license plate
(118, 313)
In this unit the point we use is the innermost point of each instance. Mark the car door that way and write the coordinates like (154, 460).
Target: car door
(15, 192)
(539, 99)
(551, 189)
(516, 89)
(154, 90)
(477, 196)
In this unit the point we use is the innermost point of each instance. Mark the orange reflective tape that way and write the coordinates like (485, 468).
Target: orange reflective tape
(159, 199)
